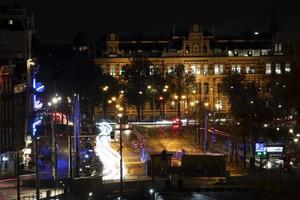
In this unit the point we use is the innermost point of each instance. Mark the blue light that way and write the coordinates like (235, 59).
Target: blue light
(34, 83)
(39, 87)
(36, 123)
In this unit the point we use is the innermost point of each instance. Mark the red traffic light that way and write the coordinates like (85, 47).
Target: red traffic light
(161, 98)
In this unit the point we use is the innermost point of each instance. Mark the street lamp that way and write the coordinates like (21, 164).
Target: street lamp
(206, 126)
(54, 102)
(149, 87)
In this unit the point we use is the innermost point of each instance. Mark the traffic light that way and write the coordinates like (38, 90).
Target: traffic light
(112, 135)
(161, 98)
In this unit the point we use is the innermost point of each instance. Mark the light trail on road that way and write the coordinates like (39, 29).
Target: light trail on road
(108, 156)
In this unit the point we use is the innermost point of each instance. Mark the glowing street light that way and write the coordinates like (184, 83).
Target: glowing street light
(105, 88)
(296, 140)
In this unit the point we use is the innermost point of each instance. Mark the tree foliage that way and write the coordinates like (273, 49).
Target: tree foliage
(180, 83)
(135, 78)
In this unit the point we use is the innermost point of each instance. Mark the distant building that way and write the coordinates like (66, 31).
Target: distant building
(210, 58)
(15, 47)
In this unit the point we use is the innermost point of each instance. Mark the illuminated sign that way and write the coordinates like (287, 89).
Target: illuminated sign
(260, 147)
(275, 149)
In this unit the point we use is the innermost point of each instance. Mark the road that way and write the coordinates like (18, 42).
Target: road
(108, 156)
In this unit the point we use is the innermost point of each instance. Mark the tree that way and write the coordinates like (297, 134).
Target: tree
(180, 83)
(135, 78)
(66, 72)
(245, 106)
(109, 86)
(158, 90)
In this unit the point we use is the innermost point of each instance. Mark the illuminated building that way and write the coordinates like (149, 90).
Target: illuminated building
(15, 48)
(210, 58)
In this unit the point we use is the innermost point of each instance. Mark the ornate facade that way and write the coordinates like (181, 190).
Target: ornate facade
(210, 58)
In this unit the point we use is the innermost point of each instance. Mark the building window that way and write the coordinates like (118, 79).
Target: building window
(236, 69)
(255, 52)
(205, 70)
(151, 69)
(264, 52)
(287, 68)
(219, 69)
(219, 105)
(10, 22)
(268, 68)
(170, 69)
(112, 71)
(186, 69)
(277, 68)
(122, 71)
(278, 47)
(250, 70)
(247, 69)
(197, 69)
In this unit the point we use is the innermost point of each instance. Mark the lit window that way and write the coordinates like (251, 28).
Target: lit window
(264, 52)
(221, 69)
(170, 69)
(287, 68)
(112, 71)
(218, 104)
(250, 69)
(218, 69)
(193, 69)
(151, 69)
(205, 70)
(197, 69)
(279, 47)
(268, 68)
(186, 69)
(255, 52)
(236, 69)
(247, 69)
(277, 68)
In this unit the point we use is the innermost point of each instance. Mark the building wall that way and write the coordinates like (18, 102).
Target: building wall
(209, 59)
(258, 64)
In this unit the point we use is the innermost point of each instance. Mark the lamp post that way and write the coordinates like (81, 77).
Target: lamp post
(104, 95)
(205, 147)
(149, 87)
(54, 102)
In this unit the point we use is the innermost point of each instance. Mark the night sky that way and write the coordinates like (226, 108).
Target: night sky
(58, 20)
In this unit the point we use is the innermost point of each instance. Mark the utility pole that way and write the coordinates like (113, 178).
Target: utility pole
(37, 185)
(206, 127)
(18, 175)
